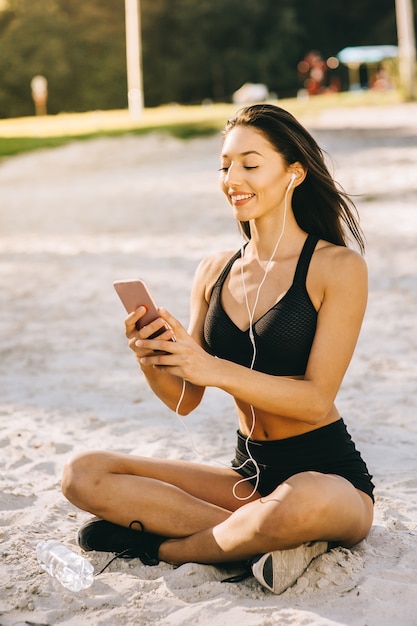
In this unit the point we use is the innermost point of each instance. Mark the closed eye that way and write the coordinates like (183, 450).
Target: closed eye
(246, 167)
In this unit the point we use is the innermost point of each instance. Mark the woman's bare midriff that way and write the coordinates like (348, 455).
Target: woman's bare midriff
(273, 427)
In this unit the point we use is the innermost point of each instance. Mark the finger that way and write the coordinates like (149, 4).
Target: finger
(156, 345)
(167, 334)
(172, 321)
(158, 359)
(132, 318)
(158, 329)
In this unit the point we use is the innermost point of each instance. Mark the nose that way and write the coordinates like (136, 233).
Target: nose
(232, 177)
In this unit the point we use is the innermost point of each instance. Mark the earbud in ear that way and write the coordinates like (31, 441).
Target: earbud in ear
(293, 177)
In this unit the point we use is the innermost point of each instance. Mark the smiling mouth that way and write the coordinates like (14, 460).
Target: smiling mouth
(243, 196)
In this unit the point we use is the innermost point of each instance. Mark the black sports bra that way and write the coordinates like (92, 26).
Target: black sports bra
(283, 335)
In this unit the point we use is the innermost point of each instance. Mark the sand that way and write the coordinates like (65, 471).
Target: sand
(75, 218)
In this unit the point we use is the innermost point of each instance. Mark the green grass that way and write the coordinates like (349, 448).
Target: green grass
(10, 146)
(31, 133)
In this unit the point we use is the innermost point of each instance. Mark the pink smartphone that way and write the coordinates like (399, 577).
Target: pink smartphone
(133, 293)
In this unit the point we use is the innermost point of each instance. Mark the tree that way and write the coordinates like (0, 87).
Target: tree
(334, 25)
(31, 44)
(77, 46)
(208, 48)
(95, 49)
(192, 50)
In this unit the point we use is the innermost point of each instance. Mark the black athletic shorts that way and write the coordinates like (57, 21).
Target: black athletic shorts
(329, 450)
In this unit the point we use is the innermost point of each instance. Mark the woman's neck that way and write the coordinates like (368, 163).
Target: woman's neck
(267, 242)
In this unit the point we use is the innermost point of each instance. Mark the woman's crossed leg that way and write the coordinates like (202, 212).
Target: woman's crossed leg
(195, 507)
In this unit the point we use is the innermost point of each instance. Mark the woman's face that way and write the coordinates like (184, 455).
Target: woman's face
(253, 175)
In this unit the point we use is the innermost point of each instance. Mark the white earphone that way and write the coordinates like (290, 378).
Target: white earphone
(251, 314)
(293, 177)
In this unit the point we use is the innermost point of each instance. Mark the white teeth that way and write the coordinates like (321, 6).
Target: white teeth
(243, 197)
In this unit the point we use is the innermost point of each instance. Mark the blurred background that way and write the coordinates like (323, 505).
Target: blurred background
(193, 51)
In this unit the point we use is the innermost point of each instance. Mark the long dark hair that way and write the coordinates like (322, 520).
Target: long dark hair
(320, 206)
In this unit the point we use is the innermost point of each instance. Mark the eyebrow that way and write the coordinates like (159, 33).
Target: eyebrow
(244, 153)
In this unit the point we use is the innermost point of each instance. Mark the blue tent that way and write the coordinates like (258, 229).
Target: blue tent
(357, 56)
(367, 54)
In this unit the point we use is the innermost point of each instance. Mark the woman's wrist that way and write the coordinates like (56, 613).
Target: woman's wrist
(219, 373)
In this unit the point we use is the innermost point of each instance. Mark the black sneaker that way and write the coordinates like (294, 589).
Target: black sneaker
(103, 536)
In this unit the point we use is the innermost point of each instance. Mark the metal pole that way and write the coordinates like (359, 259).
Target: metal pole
(407, 47)
(133, 58)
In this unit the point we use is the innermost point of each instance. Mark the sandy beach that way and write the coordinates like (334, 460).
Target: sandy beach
(76, 218)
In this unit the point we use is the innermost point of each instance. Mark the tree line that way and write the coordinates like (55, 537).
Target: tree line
(192, 50)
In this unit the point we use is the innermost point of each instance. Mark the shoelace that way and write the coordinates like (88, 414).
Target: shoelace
(123, 552)
(116, 556)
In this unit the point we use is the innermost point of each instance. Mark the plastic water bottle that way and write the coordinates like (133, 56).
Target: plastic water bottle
(70, 569)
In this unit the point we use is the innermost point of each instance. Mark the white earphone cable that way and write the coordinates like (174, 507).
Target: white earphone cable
(251, 314)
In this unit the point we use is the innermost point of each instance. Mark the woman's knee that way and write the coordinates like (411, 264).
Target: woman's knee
(292, 509)
(81, 475)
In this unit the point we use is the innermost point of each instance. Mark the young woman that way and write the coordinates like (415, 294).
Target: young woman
(274, 325)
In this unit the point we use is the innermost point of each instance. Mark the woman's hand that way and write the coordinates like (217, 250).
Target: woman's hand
(133, 334)
(174, 351)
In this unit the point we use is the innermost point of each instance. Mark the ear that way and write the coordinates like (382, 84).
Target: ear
(299, 172)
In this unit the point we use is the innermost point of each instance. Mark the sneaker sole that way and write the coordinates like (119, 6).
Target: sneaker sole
(280, 569)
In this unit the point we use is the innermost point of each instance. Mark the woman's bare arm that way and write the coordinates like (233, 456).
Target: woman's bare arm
(310, 399)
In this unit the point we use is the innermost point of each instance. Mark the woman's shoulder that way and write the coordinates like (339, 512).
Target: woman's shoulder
(335, 264)
(212, 265)
(342, 256)
(210, 268)
(336, 271)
